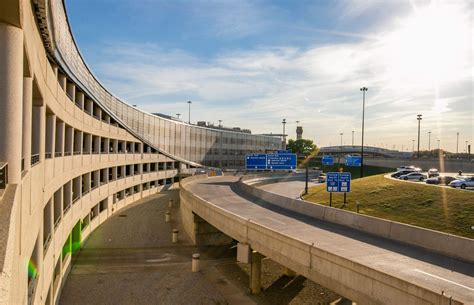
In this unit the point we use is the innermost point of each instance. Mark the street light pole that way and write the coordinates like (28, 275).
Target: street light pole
(413, 145)
(189, 112)
(284, 137)
(353, 138)
(419, 118)
(341, 134)
(457, 142)
(429, 140)
(364, 90)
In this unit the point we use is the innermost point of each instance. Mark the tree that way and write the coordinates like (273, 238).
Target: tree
(302, 147)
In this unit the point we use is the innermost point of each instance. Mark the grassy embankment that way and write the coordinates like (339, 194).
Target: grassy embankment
(442, 209)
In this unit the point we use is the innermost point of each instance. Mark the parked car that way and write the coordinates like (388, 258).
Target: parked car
(402, 172)
(433, 172)
(440, 180)
(462, 183)
(413, 176)
(322, 178)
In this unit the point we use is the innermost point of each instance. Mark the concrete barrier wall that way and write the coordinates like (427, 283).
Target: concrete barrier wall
(350, 279)
(447, 244)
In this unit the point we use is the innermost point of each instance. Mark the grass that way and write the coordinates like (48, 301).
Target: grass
(441, 209)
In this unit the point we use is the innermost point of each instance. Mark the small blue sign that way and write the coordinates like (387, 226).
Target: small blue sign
(353, 161)
(256, 161)
(332, 182)
(284, 151)
(328, 160)
(338, 182)
(281, 161)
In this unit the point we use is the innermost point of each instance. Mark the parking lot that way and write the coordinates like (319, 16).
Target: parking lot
(443, 174)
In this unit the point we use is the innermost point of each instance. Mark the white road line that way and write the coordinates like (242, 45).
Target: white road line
(158, 260)
(435, 276)
(276, 220)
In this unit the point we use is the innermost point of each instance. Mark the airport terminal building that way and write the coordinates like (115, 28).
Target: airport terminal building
(72, 154)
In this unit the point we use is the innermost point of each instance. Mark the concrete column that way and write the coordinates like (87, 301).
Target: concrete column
(60, 134)
(97, 144)
(27, 118)
(256, 273)
(71, 91)
(50, 134)
(80, 99)
(38, 131)
(11, 99)
(62, 81)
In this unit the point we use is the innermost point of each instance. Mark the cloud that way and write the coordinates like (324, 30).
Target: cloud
(317, 85)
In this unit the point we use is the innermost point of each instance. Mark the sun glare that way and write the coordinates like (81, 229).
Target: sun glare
(430, 47)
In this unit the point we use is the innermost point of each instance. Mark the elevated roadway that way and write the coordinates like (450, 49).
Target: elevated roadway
(362, 267)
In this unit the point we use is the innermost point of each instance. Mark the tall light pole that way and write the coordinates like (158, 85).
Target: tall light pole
(466, 146)
(429, 140)
(438, 145)
(189, 112)
(457, 142)
(353, 138)
(364, 90)
(413, 145)
(284, 137)
(419, 118)
(341, 134)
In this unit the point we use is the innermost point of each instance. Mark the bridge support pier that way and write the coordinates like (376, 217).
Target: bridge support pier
(256, 272)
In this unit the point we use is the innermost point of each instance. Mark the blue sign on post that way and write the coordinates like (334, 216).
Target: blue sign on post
(338, 182)
(328, 160)
(353, 161)
(256, 161)
(281, 161)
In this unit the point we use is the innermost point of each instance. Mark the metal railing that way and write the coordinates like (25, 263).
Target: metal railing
(46, 242)
(35, 159)
(77, 152)
(48, 155)
(67, 153)
(3, 175)
(66, 209)
(75, 199)
(58, 154)
(57, 221)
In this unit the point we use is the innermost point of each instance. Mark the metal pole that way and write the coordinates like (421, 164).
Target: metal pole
(306, 183)
(330, 199)
(363, 89)
(189, 112)
(353, 138)
(429, 140)
(457, 142)
(418, 117)
(413, 145)
(284, 137)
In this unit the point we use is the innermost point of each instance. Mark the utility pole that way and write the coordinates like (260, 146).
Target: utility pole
(364, 90)
(353, 138)
(419, 118)
(284, 137)
(413, 145)
(438, 144)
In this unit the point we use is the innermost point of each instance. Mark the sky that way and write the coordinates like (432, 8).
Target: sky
(253, 63)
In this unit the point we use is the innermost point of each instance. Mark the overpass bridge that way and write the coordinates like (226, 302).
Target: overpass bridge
(365, 259)
(368, 150)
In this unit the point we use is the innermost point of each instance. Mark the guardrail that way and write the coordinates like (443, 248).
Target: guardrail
(3, 175)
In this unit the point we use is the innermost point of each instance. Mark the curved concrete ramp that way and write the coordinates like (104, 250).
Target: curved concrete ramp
(362, 267)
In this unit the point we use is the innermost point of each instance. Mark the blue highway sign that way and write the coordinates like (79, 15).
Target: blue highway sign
(338, 182)
(281, 161)
(256, 161)
(353, 161)
(328, 160)
(286, 151)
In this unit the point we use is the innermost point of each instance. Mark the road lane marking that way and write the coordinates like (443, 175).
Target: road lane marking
(438, 277)
(276, 220)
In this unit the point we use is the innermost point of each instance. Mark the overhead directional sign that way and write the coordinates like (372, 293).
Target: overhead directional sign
(256, 161)
(281, 161)
(328, 160)
(338, 182)
(353, 161)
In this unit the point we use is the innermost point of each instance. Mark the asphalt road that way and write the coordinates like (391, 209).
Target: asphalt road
(291, 189)
(423, 268)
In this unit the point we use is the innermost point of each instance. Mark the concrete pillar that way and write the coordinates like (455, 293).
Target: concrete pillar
(60, 134)
(27, 118)
(80, 99)
(71, 91)
(96, 144)
(50, 134)
(256, 273)
(195, 263)
(11, 99)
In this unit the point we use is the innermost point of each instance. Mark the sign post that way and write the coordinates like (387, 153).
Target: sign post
(338, 183)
